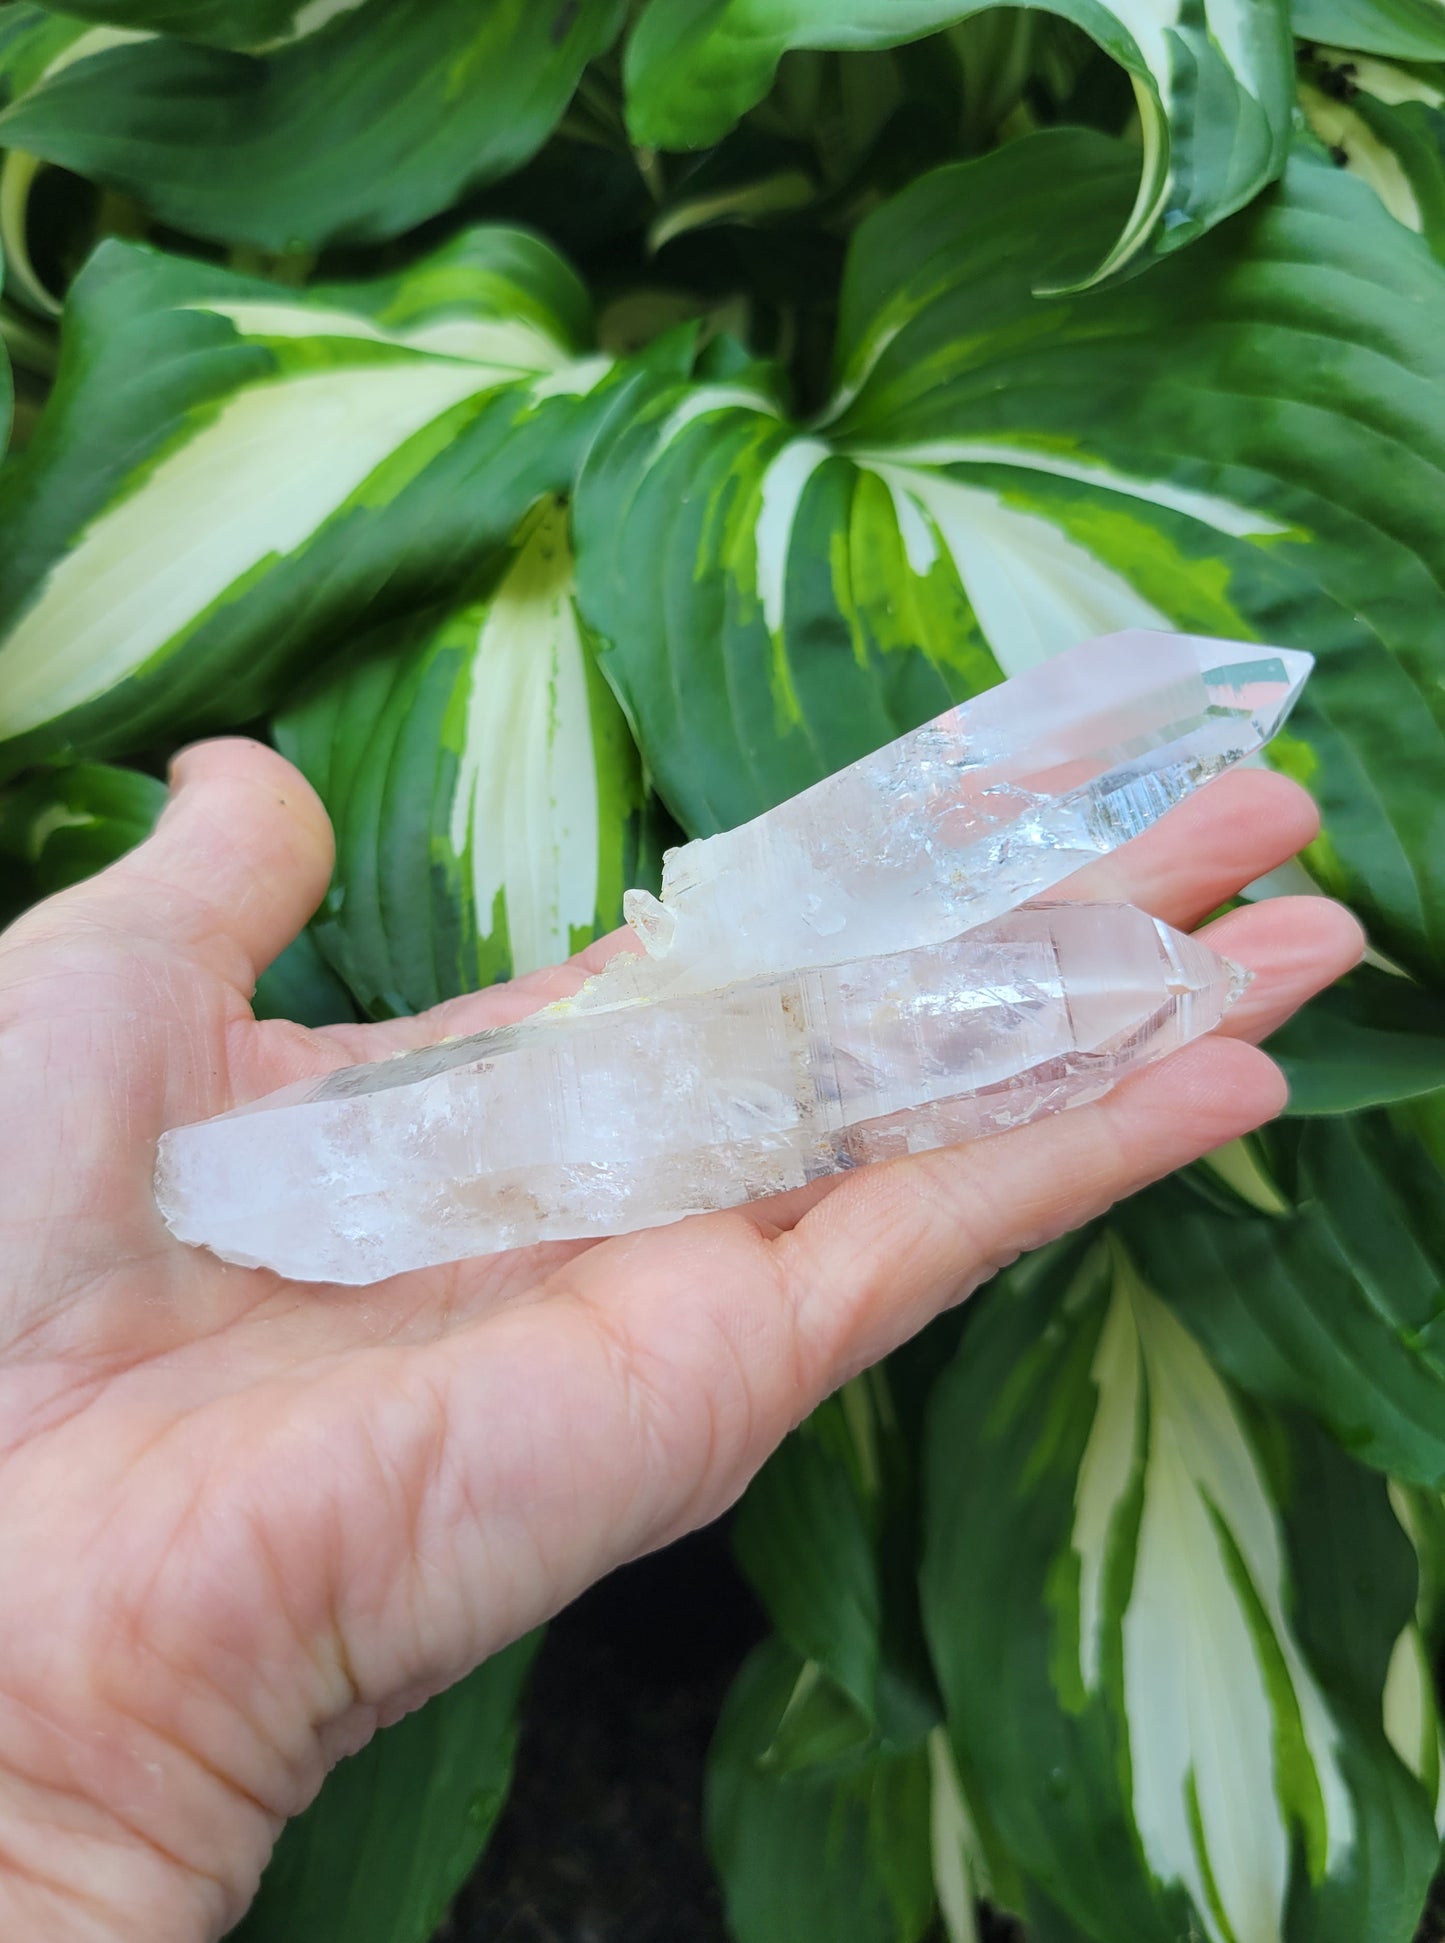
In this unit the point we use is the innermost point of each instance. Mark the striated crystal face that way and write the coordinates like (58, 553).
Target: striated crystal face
(588, 1124)
(989, 805)
(857, 974)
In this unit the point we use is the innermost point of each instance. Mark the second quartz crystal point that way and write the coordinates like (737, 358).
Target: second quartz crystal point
(593, 1124)
(965, 818)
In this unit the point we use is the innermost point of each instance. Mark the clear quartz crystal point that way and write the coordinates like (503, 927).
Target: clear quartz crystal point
(576, 1123)
(858, 973)
(989, 805)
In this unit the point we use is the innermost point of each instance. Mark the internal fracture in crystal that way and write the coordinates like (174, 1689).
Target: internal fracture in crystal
(592, 1124)
(859, 973)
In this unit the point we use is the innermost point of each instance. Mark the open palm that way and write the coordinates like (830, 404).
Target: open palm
(244, 1521)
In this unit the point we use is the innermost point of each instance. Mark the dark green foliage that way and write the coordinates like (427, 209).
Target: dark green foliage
(547, 419)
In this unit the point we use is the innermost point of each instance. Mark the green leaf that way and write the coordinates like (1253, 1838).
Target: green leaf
(1353, 1580)
(387, 115)
(753, 178)
(230, 474)
(397, 1828)
(1213, 88)
(1422, 1514)
(999, 476)
(63, 825)
(804, 1536)
(1386, 125)
(1412, 1717)
(1336, 1304)
(1404, 30)
(831, 1852)
(301, 986)
(780, 633)
(819, 1724)
(226, 23)
(827, 1534)
(1113, 1589)
(487, 797)
(1372, 1039)
(35, 43)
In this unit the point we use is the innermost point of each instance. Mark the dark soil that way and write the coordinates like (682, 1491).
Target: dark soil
(602, 1840)
(1432, 1923)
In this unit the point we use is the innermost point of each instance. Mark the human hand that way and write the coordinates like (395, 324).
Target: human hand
(246, 1521)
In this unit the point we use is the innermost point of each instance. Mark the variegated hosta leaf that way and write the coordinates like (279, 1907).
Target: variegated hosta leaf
(824, 1535)
(229, 473)
(1412, 1716)
(35, 44)
(1226, 445)
(1401, 30)
(1413, 1720)
(805, 1536)
(63, 825)
(1325, 1289)
(220, 23)
(487, 797)
(60, 826)
(1213, 88)
(1421, 1511)
(1386, 124)
(1168, 1735)
(382, 116)
(837, 1850)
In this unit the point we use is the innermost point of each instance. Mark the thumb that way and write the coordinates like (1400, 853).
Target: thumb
(237, 863)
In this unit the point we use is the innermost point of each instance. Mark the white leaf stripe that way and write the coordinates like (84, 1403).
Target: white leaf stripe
(17, 177)
(525, 814)
(781, 494)
(1412, 1721)
(572, 380)
(99, 40)
(280, 458)
(316, 14)
(1033, 588)
(1341, 128)
(1202, 1726)
(507, 348)
(954, 1842)
(702, 401)
(1210, 509)
(175, 543)
(1382, 79)
(1105, 1472)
